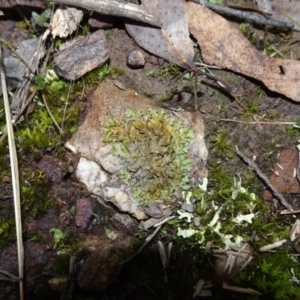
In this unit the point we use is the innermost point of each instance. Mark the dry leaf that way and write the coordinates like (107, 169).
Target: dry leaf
(287, 11)
(172, 41)
(229, 49)
(65, 21)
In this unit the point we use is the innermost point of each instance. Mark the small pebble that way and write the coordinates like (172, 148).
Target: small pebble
(135, 58)
(187, 207)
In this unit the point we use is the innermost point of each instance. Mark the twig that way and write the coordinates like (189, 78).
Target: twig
(288, 212)
(10, 276)
(259, 122)
(148, 240)
(15, 178)
(245, 15)
(255, 168)
(113, 8)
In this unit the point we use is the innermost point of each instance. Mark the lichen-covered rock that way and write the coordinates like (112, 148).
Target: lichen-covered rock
(150, 152)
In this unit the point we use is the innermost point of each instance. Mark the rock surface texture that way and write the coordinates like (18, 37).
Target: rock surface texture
(99, 167)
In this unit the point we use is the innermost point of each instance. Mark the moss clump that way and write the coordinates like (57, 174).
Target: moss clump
(154, 147)
(276, 275)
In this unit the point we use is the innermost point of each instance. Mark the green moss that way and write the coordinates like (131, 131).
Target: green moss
(34, 194)
(276, 275)
(154, 146)
(221, 144)
(165, 73)
(99, 74)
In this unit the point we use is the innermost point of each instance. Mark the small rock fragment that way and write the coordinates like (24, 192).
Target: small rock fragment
(84, 213)
(188, 207)
(135, 58)
(196, 221)
(154, 210)
(151, 222)
(83, 56)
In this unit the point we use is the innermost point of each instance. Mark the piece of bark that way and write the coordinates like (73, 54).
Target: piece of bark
(284, 175)
(65, 21)
(83, 56)
(113, 8)
(229, 49)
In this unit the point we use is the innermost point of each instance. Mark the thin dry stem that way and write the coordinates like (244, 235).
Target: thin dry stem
(15, 178)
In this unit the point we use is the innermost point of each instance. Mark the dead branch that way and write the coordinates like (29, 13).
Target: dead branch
(252, 165)
(113, 8)
(252, 18)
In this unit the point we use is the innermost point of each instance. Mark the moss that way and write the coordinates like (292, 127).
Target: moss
(165, 73)
(221, 144)
(274, 274)
(7, 229)
(99, 74)
(154, 146)
(35, 199)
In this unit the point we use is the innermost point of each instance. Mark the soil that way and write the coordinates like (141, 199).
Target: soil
(87, 230)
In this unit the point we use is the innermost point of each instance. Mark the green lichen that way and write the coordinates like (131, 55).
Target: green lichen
(154, 147)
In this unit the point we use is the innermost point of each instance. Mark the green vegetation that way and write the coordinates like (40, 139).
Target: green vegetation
(165, 73)
(99, 74)
(154, 145)
(276, 275)
(221, 144)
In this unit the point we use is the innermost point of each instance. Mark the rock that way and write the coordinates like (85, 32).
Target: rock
(153, 210)
(83, 56)
(116, 193)
(153, 221)
(91, 174)
(125, 223)
(108, 162)
(135, 58)
(188, 207)
(108, 103)
(84, 213)
(14, 68)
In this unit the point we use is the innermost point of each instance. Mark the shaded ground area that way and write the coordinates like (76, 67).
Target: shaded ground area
(58, 225)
